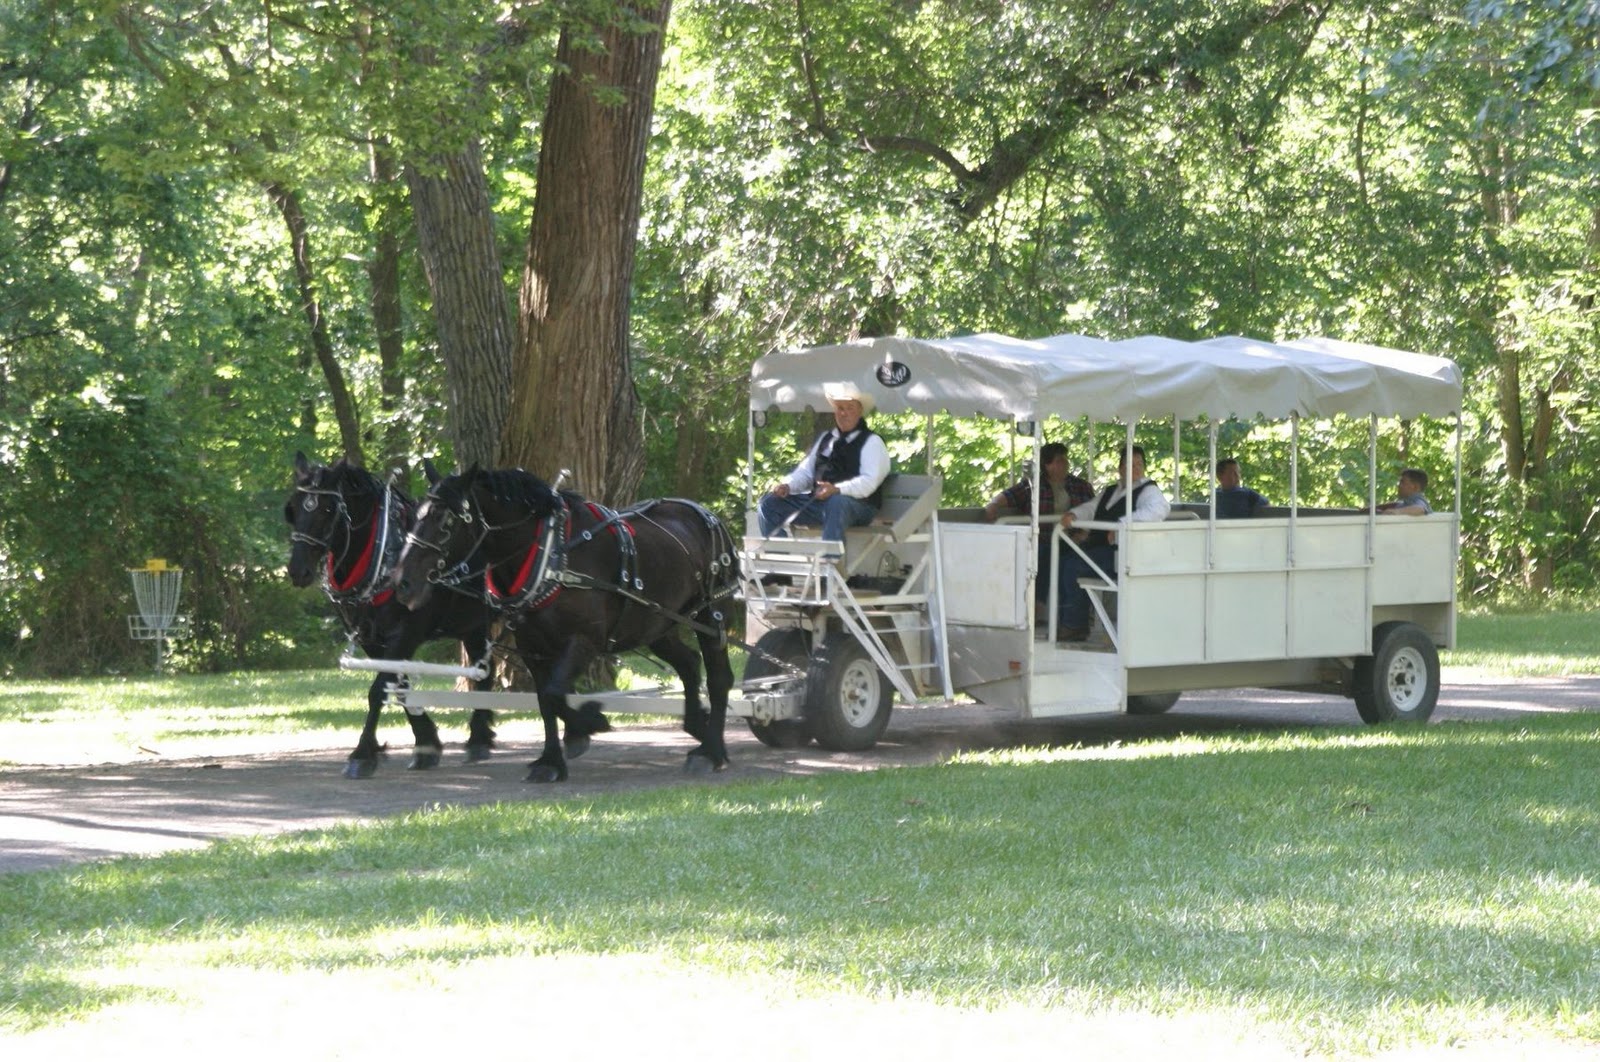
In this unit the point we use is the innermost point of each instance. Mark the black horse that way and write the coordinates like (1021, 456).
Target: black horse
(349, 528)
(577, 580)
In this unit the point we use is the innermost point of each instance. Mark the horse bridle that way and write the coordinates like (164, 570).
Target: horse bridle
(341, 518)
(550, 546)
(369, 588)
(451, 577)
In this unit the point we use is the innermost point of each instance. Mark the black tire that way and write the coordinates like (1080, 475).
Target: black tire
(1150, 703)
(1399, 682)
(848, 699)
(791, 645)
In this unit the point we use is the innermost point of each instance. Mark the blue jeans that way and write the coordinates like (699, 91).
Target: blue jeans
(833, 516)
(1073, 602)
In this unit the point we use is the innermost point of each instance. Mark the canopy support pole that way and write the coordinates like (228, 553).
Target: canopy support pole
(1177, 458)
(1294, 481)
(1372, 487)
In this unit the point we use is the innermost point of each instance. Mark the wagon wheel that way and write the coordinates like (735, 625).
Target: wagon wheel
(1399, 682)
(847, 698)
(791, 645)
(1150, 703)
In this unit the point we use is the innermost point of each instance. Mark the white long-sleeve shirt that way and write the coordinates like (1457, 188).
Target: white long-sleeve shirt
(874, 467)
(1149, 506)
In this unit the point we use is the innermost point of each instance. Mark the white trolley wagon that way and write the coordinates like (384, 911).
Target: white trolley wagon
(930, 600)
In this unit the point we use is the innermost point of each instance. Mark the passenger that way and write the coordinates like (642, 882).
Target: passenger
(839, 484)
(1149, 505)
(1061, 491)
(1410, 502)
(1233, 499)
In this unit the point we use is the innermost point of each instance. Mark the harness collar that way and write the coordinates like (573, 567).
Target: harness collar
(361, 586)
(538, 580)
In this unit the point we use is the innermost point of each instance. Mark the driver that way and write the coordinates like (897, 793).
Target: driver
(839, 483)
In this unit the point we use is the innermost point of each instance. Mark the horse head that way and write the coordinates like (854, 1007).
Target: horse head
(447, 531)
(327, 503)
(477, 509)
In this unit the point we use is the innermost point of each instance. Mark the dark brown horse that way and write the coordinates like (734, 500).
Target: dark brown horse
(348, 528)
(576, 581)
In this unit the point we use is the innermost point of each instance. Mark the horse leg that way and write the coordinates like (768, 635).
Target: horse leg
(581, 723)
(551, 766)
(686, 663)
(553, 684)
(400, 639)
(363, 761)
(367, 754)
(427, 750)
(683, 661)
(719, 680)
(480, 729)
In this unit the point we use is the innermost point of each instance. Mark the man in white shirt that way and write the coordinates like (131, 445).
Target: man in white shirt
(839, 484)
(1149, 504)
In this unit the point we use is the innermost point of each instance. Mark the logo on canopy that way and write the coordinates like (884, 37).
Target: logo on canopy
(894, 374)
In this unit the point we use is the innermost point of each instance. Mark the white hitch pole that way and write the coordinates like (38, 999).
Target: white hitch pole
(412, 667)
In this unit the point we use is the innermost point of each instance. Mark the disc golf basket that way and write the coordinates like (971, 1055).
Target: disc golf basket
(155, 589)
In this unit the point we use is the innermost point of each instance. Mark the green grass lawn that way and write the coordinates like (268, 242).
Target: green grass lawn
(97, 720)
(1348, 890)
(1342, 891)
(1528, 644)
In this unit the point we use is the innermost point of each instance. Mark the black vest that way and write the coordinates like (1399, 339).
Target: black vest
(1105, 510)
(844, 460)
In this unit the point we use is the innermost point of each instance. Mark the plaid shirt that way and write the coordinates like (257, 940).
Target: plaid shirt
(1020, 496)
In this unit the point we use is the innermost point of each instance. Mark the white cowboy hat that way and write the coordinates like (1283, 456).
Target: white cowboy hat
(849, 392)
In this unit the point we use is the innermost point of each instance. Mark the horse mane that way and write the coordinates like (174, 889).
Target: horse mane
(355, 480)
(514, 486)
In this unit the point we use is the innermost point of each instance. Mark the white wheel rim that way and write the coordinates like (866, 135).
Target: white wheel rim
(859, 690)
(1407, 680)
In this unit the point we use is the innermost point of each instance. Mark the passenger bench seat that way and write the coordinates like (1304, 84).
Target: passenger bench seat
(909, 502)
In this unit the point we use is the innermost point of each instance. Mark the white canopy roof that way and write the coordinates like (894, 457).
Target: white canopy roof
(1072, 376)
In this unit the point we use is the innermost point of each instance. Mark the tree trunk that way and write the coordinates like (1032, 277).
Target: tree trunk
(455, 232)
(383, 273)
(1526, 429)
(573, 404)
(344, 407)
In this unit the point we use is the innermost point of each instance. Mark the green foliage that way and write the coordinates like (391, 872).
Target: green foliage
(155, 375)
(1326, 176)
(1406, 176)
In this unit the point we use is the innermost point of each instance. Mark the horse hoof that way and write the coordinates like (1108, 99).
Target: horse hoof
(479, 753)
(422, 760)
(357, 769)
(590, 715)
(699, 763)
(576, 745)
(543, 774)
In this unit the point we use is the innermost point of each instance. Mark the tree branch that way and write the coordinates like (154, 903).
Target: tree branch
(1075, 100)
(917, 146)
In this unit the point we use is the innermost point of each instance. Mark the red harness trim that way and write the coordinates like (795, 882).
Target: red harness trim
(360, 569)
(526, 570)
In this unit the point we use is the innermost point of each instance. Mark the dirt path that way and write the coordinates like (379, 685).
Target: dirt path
(50, 816)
